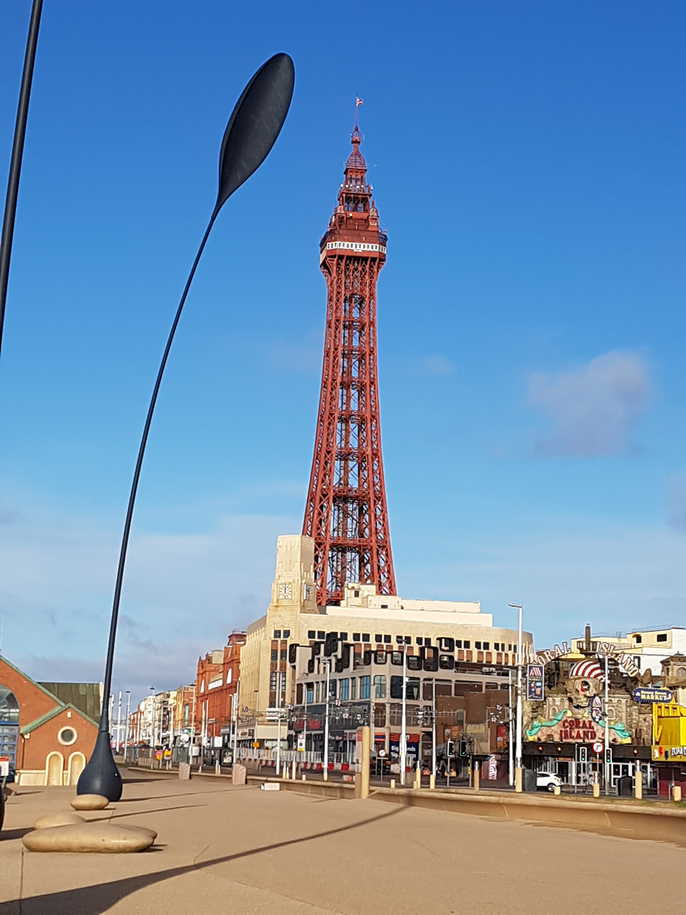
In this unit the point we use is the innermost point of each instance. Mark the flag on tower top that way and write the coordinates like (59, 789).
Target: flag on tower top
(358, 102)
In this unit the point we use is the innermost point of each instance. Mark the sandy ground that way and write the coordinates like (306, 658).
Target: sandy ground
(224, 849)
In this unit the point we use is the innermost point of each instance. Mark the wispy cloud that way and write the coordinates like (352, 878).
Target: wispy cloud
(594, 407)
(676, 501)
(183, 593)
(437, 364)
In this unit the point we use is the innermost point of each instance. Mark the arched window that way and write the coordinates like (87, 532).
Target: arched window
(9, 724)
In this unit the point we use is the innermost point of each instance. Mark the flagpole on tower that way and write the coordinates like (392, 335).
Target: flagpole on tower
(358, 102)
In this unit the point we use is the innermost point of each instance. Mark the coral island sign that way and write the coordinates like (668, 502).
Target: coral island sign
(626, 662)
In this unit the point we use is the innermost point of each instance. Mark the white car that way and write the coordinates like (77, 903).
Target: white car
(547, 780)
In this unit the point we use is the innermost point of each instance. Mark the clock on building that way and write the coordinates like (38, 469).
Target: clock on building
(285, 591)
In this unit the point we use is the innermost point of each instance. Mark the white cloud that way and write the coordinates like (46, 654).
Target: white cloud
(183, 593)
(437, 364)
(592, 408)
(676, 501)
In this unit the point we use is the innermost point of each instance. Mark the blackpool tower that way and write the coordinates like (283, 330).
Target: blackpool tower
(346, 511)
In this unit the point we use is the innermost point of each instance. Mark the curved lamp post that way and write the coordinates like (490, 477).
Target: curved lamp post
(252, 130)
(17, 156)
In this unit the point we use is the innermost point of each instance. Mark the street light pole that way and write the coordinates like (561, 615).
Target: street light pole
(403, 725)
(278, 723)
(327, 661)
(127, 733)
(16, 160)
(433, 731)
(510, 719)
(119, 722)
(606, 735)
(253, 127)
(518, 749)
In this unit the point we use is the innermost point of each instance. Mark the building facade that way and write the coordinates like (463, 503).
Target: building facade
(46, 739)
(454, 700)
(216, 683)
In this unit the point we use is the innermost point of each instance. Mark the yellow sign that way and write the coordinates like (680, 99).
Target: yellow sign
(669, 732)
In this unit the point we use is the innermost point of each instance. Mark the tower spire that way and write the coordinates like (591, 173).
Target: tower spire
(346, 510)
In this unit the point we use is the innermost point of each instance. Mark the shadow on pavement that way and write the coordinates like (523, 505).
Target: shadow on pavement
(101, 897)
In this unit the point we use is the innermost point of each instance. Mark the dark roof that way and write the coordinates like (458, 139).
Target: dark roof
(83, 696)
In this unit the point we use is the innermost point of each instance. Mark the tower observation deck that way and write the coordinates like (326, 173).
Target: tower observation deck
(346, 511)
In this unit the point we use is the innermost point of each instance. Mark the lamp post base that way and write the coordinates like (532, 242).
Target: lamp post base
(101, 775)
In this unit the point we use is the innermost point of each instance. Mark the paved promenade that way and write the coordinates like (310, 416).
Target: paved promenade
(241, 850)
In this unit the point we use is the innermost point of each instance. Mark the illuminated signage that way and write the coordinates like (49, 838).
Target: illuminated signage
(355, 246)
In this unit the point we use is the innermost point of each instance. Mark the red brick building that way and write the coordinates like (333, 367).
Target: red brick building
(47, 734)
(216, 682)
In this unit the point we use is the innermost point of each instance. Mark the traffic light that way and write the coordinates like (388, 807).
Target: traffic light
(583, 754)
(450, 747)
(463, 748)
(608, 755)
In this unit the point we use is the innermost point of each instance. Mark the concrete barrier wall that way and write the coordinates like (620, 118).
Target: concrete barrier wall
(316, 788)
(608, 818)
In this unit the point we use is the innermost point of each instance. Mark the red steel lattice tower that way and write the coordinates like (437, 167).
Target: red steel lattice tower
(346, 510)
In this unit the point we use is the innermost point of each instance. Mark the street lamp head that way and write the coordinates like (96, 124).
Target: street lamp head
(516, 606)
(255, 123)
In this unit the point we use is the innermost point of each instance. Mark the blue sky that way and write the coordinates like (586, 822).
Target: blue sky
(528, 165)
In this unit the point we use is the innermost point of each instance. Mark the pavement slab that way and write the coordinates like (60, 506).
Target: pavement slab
(228, 848)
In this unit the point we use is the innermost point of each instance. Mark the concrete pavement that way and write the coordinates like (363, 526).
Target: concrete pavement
(243, 850)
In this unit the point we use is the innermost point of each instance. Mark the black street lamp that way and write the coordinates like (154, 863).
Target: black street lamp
(253, 127)
(17, 156)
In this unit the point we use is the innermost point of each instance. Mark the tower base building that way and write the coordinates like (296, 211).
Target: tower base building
(442, 633)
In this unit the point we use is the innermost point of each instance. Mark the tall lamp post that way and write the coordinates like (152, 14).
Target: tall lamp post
(253, 127)
(17, 156)
(518, 748)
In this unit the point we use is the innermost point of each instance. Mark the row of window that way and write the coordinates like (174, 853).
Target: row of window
(445, 642)
(283, 634)
(350, 689)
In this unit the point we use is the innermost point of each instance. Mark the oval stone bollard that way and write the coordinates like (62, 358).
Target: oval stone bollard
(184, 771)
(58, 819)
(239, 774)
(90, 802)
(96, 837)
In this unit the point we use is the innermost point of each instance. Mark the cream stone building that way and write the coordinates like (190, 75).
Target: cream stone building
(364, 619)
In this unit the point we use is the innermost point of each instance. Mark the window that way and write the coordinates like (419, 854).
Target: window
(320, 634)
(353, 687)
(309, 692)
(477, 645)
(299, 693)
(277, 633)
(638, 639)
(286, 633)
(420, 640)
(458, 643)
(311, 634)
(412, 688)
(67, 736)
(379, 686)
(428, 642)
(378, 637)
(356, 636)
(366, 637)
(379, 715)
(399, 639)
(365, 683)
(662, 637)
(344, 689)
(467, 643)
(384, 606)
(317, 691)
(487, 646)
(343, 636)
(356, 593)
(275, 655)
